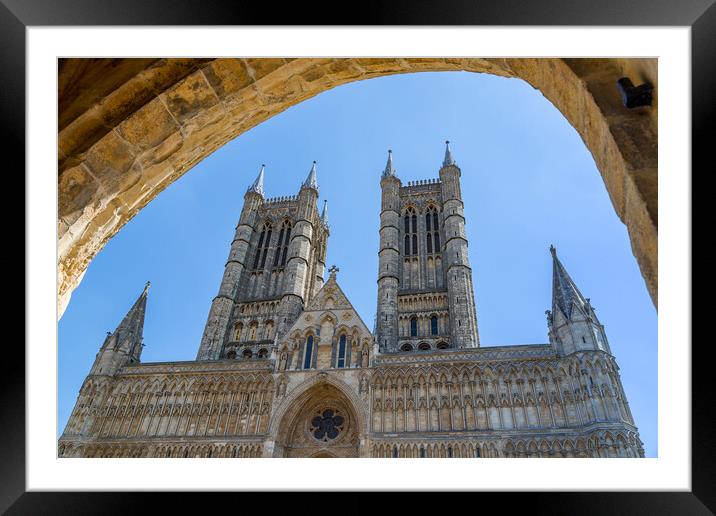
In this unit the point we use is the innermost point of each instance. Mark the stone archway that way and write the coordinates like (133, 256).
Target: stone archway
(128, 128)
(320, 420)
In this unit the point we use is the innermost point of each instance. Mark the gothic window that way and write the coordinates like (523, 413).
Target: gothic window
(263, 353)
(411, 230)
(449, 451)
(422, 452)
(262, 247)
(342, 351)
(309, 352)
(269, 330)
(231, 354)
(413, 326)
(442, 345)
(434, 325)
(424, 346)
(406, 347)
(247, 354)
(395, 452)
(266, 248)
(277, 254)
(238, 328)
(253, 328)
(477, 451)
(432, 232)
(282, 244)
(258, 248)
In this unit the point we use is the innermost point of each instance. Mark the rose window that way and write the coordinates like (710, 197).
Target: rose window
(327, 426)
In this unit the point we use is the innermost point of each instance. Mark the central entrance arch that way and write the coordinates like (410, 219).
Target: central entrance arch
(321, 421)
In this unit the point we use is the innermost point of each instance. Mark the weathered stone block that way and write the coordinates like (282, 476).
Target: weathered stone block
(191, 98)
(149, 126)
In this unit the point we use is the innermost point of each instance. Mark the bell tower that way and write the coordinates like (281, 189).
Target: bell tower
(425, 292)
(275, 265)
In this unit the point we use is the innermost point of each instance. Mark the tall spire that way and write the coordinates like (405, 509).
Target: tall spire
(324, 213)
(565, 294)
(448, 160)
(389, 170)
(311, 181)
(258, 186)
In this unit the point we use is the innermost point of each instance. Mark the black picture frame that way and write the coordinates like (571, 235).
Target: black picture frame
(17, 15)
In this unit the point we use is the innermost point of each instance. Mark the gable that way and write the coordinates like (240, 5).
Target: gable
(330, 297)
(330, 301)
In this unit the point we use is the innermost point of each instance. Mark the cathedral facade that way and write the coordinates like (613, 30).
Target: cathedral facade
(286, 367)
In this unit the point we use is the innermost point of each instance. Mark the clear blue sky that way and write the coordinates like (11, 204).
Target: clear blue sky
(528, 181)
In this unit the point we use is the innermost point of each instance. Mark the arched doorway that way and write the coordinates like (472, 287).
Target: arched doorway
(322, 423)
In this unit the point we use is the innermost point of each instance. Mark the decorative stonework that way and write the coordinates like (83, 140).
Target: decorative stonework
(327, 424)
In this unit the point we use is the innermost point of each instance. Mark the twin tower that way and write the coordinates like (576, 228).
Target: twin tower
(277, 261)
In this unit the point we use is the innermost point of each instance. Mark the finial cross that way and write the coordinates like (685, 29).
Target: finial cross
(333, 269)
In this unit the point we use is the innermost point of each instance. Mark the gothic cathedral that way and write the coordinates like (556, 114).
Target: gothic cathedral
(287, 368)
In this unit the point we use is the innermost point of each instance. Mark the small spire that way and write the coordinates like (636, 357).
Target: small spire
(389, 170)
(258, 186)
(324, 213)
(311, 181)
(131, 328)
(448, 155)
(565, 294)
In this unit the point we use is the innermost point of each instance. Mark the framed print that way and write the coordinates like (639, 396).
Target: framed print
(285, 359)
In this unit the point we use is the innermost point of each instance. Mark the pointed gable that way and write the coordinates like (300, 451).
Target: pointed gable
(330, 299)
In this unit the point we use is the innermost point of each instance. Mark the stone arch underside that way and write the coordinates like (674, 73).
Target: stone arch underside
(320, 420)
(128, 128)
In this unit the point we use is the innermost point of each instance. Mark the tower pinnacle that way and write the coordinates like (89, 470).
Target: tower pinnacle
(389, 170)
(324, 213)
(448, 160)
(311, 181)
(258, 185)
